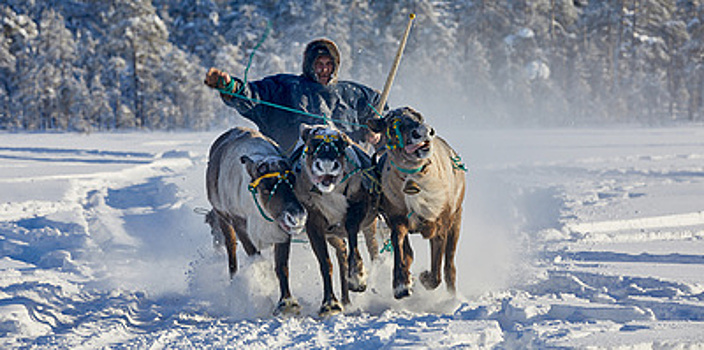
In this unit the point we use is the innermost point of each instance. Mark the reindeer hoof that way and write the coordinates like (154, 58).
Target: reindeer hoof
(428, 280)
(357, 282)
(288, 306)
(357, 288)
(330, 308)
(402, 291)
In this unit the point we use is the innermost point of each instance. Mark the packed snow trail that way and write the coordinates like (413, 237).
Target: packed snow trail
(571, 239)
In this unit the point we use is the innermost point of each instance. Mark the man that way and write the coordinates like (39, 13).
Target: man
(314, 97)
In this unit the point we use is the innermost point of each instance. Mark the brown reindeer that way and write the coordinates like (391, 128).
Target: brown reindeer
(250, 186)
(332, 184)
(423, 188)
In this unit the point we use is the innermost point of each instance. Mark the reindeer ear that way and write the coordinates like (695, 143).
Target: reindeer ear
(417, 114)
(377, 124)
(304, 131)
(250, 165)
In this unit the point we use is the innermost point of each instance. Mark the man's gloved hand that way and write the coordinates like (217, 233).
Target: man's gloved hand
(218, 79)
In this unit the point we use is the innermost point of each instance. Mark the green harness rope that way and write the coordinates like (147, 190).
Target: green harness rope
(252, 187)
(457, 164)
(251, 56)
(408, 171)
(227, 89)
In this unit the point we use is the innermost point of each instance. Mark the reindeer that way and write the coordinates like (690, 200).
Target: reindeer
(423, 187)
(250, 187)
(334, 184)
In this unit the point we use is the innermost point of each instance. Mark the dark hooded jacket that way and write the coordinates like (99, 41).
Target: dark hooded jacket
(347, 104)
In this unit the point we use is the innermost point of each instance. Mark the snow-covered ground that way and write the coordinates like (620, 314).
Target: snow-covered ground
(572, 238)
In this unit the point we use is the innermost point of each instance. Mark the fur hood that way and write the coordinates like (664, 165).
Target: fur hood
(316, 48)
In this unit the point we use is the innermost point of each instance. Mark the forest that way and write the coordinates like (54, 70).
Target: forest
(97, 65)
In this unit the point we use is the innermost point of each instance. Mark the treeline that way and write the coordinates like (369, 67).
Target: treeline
(125, 64)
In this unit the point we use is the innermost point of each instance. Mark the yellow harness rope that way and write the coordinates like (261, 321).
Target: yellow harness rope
(254, 184)
(282, 177)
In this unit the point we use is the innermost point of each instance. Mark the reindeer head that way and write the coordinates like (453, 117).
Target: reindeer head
(324, 155)
(406, 133)
(272, 188)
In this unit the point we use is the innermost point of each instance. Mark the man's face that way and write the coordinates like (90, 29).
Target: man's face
(323, 67)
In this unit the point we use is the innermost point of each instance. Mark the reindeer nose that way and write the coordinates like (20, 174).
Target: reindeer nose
(326, 166)
(422, 131)
(295, 221)
(318, 166)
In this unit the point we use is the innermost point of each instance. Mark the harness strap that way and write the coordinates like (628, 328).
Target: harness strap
(254, 184)
(327, 139)
(399, 138)
(261, 210)
(408, 171)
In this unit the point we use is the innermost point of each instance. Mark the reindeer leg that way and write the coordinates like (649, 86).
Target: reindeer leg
(431, 279)
(230, 245)
(357, 281)
(341, 252)
(403, 257)
(240, 225)
(407, 256)
(287, 304)
(213, 220)
(370, 240)
(330, 304)
(450, 249)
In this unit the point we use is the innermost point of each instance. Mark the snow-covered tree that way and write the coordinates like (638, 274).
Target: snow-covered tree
(51, 76)
(195, 28)
(142, 40)
(104, 65)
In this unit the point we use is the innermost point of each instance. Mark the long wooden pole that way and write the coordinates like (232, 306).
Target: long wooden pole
(394, 67)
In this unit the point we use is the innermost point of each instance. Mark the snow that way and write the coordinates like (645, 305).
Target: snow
(572, 238)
